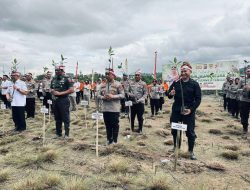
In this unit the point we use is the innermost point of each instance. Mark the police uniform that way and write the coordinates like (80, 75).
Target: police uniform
(244, 103)
(192, 99)
(30, 99)
(46, 91)
(125, 84)
(111, 108)
(224, 90)
(137, 94)
(61, 104)
(154, 98)
(233, 98)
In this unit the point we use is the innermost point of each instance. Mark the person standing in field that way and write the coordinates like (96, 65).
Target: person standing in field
(187, 98)
(30, 97)
(111, 93)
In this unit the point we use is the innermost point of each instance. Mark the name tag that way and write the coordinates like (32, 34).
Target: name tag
(179, 126)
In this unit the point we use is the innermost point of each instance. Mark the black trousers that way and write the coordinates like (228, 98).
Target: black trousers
(234, 107)
(62, 115)
(81, 94)
(18, 116)
(154, 104)
(5, 101)
(161, 102)
(225, 102)
(30, 107)
(244, 114)
(111, 120)
(229, 107)
(47, 97)
(190, 133)
(137, 109)
(123, 107)
(78, 97)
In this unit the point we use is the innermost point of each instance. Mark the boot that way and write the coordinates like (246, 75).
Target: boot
(192, 156)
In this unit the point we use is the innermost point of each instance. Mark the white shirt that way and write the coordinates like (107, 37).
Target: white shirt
(18, 99)
(6, 83)
(76, 86)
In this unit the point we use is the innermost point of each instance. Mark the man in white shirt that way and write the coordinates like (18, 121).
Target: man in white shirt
(77, 90)
(4, 86)
(16, 94)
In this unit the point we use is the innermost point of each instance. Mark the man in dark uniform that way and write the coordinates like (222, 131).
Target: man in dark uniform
(61, 87)
(187, 96)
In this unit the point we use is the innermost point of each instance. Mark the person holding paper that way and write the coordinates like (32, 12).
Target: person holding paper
(187, 98)
(111, 93)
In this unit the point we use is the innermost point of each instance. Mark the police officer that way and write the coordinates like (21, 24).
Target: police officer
(30, 97)
(61, 87)
(244, 88)
(125, 84)
(154, 95)
(111, 93)
(224, 90)
(137, 94)
(46, 89)
(188, 92)
(233, 98)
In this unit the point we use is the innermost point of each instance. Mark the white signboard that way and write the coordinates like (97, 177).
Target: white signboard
(179, 126)
(128, 103)
(3, 106)
(97, 116)
(44, 110)
(41, 98)
(84, 103)
(210, 76)
(49, 102)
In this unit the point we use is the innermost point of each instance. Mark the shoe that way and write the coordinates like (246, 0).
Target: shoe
(244, 136)
(192, 156)
(57, 137)
(172, 149)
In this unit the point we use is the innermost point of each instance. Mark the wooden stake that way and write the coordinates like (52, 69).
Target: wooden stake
(97, 126)
(44, 129)
(177, 149)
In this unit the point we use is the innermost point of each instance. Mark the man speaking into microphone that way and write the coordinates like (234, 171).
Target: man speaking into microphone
(187, 98)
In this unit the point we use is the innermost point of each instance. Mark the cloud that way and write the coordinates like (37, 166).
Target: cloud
(35, 32)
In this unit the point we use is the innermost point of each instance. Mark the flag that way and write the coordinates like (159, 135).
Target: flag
(155, 65)
(77, 69)
(126, 65)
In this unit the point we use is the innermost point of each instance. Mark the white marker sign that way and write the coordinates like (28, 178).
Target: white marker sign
(179, 126)
(44, 110)
(3, 107)
(97, 116)
(49, 102)
(84, 103)
(128, 103)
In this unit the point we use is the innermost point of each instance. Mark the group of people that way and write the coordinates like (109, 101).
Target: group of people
(236, 95)
(19, 94)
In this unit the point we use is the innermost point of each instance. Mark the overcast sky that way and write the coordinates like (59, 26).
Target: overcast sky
(37, 31)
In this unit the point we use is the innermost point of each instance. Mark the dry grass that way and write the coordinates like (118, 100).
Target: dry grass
(162, 132)
(218, 119)
(232, 147)
(75, 183)
(204, 120)
(159, 182)
(39, 181)
(230, 155)
(168, 142)
(50, 156)
(4, 175)
(215, 131)
(216, 166)
(225, 137)
(245, 153)
(141, 143)
(237, 133)
(118, 166)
